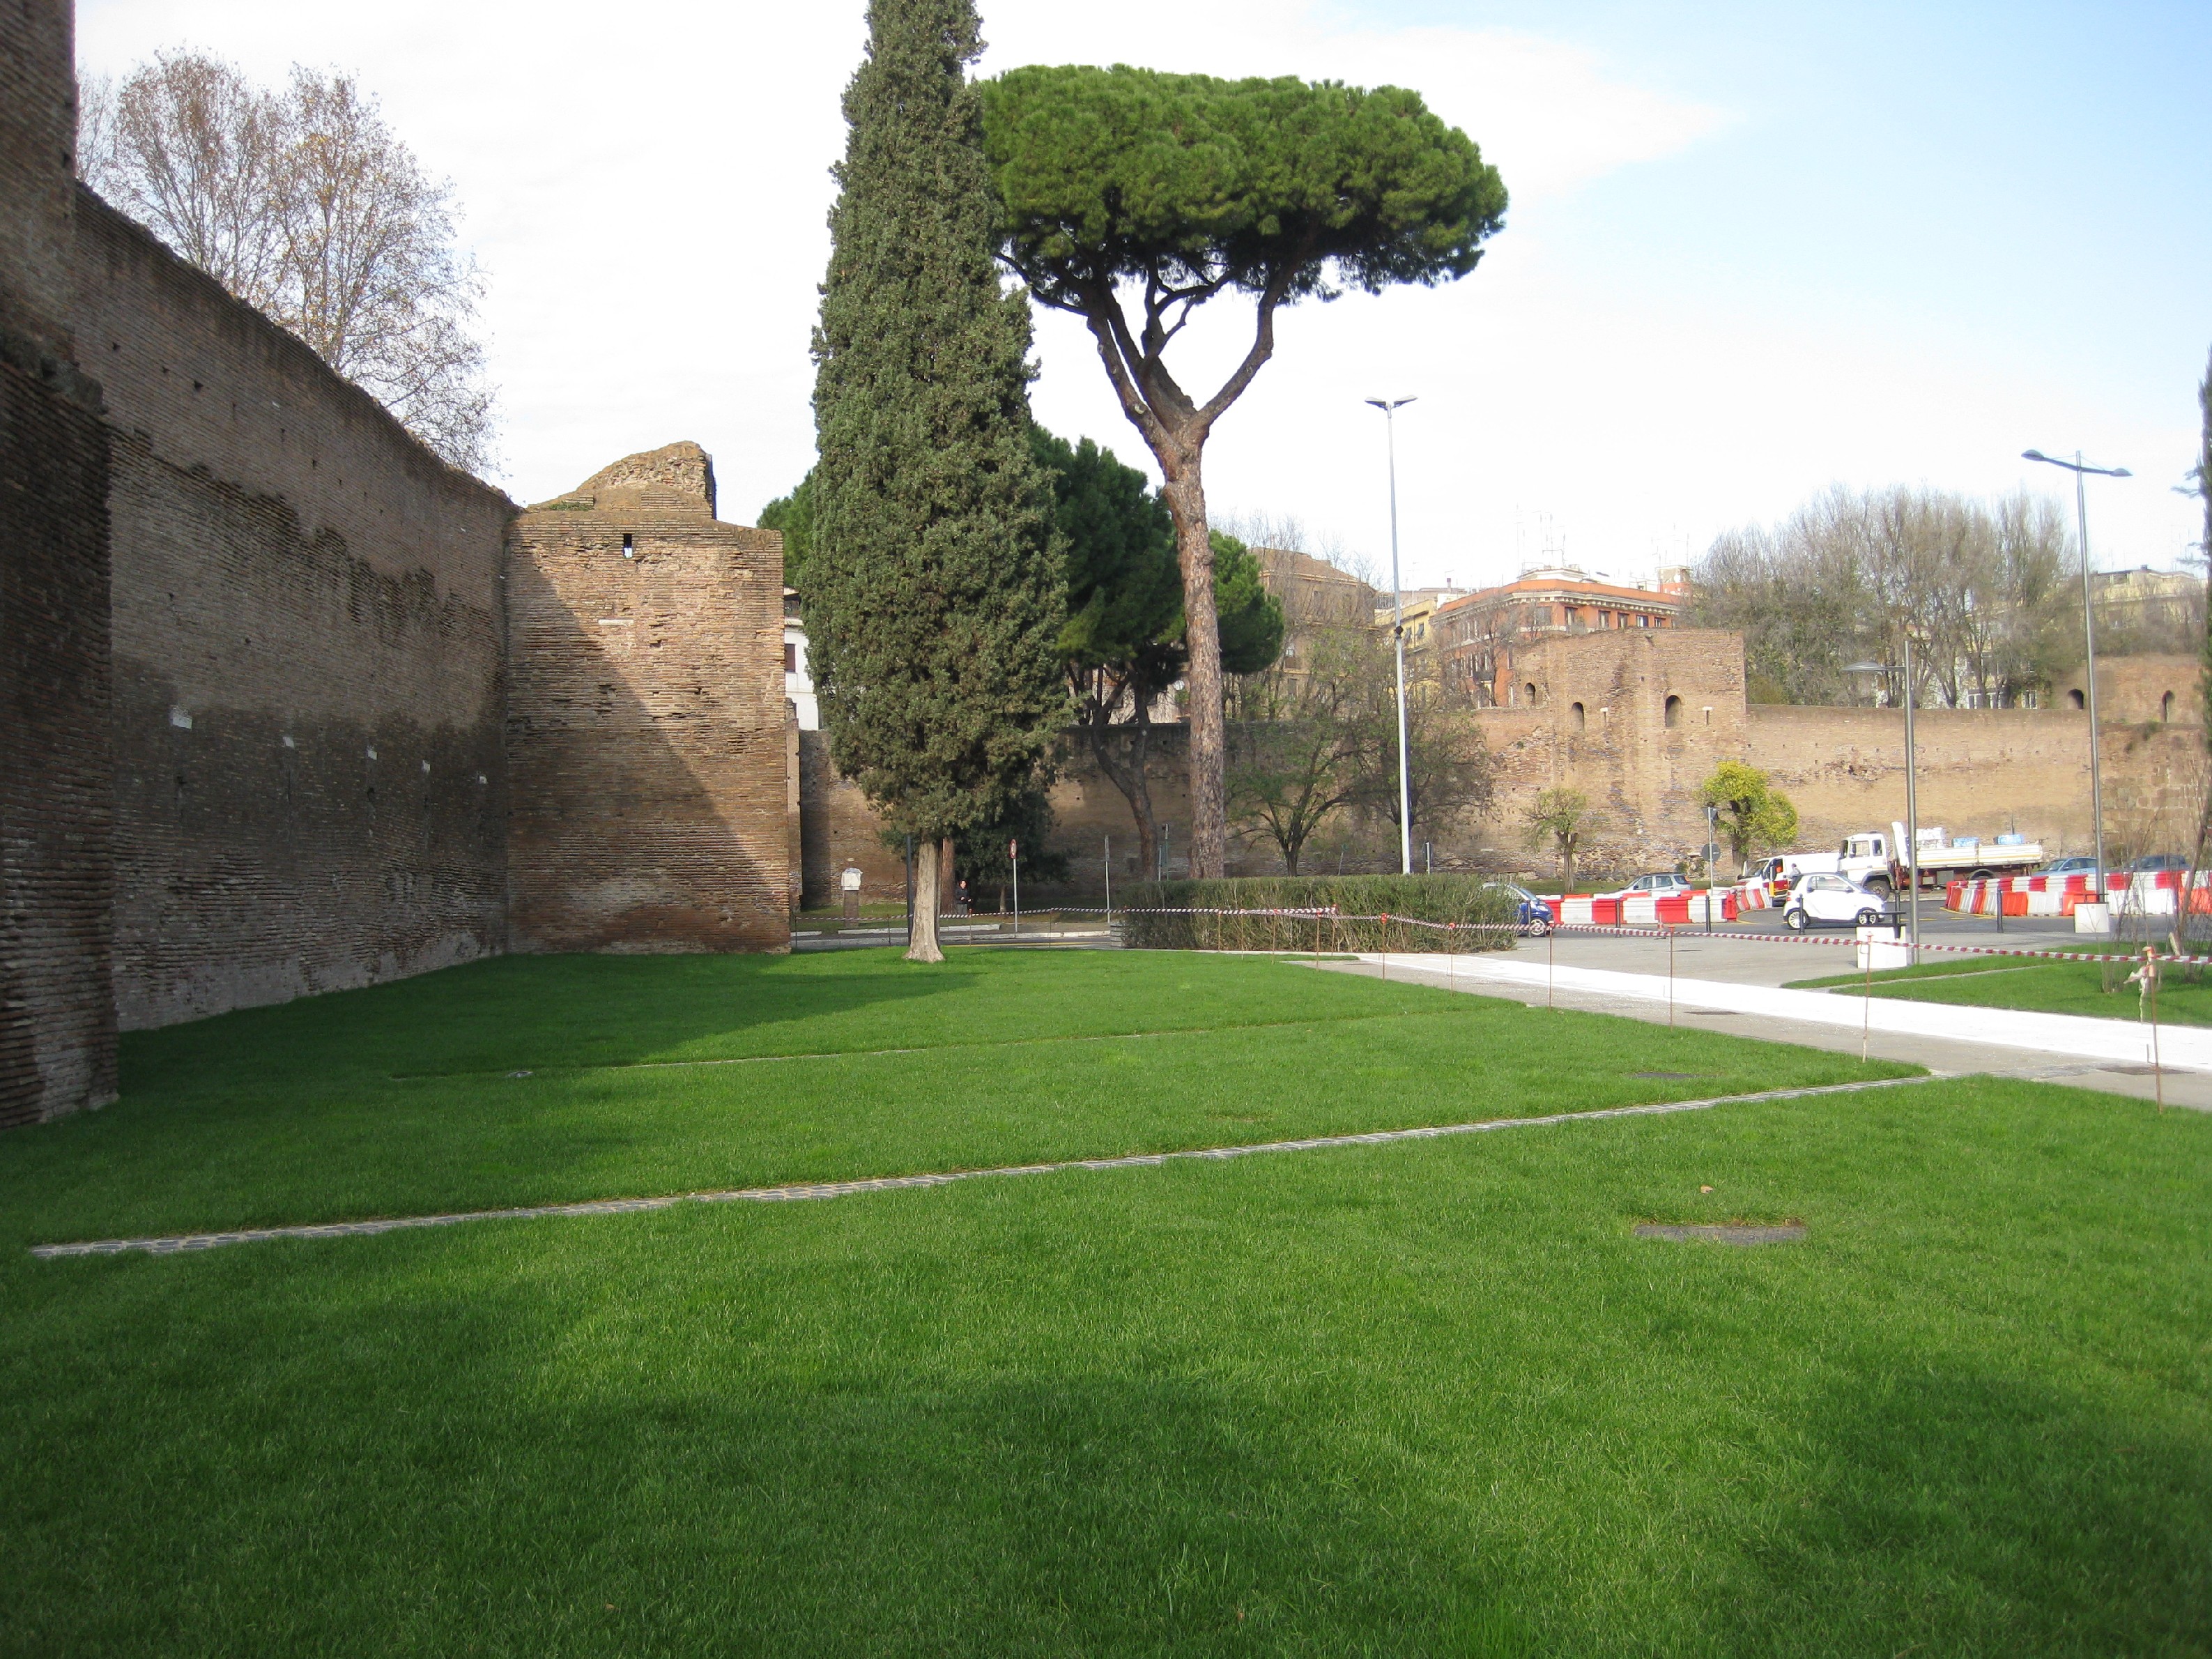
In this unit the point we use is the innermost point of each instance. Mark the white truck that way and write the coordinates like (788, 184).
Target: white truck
(1877, 861)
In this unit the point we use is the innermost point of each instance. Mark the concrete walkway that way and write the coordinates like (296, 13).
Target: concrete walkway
(2112, 1055)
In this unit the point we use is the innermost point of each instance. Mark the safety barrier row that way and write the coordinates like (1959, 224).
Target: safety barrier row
(1845, 938)
(1633, 909)
(2131, 893)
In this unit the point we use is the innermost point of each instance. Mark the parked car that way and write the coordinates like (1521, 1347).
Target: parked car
(2160, 862)
(1531, 916)
(2074, 863)
(1822, 900)
(1656, 885)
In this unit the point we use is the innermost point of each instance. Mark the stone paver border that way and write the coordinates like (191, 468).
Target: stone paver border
(176, 1244)
(1724, 1233)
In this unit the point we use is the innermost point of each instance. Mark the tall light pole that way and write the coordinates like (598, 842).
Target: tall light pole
(1912, 848)
(1390, 407)
(1912, 814)
(2078, 467)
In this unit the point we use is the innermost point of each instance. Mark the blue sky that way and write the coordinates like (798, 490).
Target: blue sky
(1753, 251)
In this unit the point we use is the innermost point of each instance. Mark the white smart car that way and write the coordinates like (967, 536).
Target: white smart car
(1824, 900)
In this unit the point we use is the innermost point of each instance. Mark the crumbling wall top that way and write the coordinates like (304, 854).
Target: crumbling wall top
(676, 478)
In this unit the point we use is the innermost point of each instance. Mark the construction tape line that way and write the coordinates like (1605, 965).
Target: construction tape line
(1616, 931)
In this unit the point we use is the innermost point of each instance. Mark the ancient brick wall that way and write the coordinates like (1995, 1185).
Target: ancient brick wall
(2154, 688)
(647, 731)
(838, 828)
(1635, 719)
(307, 630)
(1983, 772)
(57, 1022)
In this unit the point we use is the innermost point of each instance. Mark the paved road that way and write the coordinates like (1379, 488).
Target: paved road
(1590, 983)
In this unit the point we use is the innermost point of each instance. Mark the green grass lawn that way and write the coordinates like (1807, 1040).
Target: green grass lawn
(2045, 987)
(1426, 1398)
(667, 1075)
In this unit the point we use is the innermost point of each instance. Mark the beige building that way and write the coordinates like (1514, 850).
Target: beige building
(1482, 637)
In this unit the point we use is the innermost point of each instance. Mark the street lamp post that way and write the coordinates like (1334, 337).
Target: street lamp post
(1390, 407)
(1912, 815)
(2080, 468)
(1911, 796)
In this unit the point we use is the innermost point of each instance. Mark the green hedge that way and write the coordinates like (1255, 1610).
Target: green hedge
(1484, 916)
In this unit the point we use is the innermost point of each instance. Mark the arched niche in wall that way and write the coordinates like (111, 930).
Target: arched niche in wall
(1674, 711)
(1577, 717)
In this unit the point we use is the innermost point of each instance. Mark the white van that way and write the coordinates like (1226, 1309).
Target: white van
(1780, 871)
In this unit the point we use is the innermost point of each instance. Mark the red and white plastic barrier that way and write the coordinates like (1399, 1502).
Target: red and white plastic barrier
(2139, 893)
(1642, 910)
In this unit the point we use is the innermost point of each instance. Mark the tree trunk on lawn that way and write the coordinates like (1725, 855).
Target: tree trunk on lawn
(1567, 870)
(921, 942)
(1185, 494)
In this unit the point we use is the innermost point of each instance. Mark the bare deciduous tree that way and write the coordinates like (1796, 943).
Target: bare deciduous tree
(1982, 586)
(1320, 735)
(306, 205)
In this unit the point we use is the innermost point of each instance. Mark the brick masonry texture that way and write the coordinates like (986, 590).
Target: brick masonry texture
(646, 735)
(57, 1024)
(255, 652)
(308, 621)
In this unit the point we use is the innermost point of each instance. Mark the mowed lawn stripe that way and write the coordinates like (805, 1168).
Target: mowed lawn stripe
(318, 1143)
(176, 1242)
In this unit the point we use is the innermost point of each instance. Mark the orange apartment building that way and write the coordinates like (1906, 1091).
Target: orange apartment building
(1476, 636)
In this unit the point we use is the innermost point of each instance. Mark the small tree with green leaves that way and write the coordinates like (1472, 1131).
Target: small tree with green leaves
(1561, 820)
(1127, 188)
(1754, 815)
(933, 593)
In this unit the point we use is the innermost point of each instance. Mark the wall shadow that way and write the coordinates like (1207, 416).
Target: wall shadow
(646, 793)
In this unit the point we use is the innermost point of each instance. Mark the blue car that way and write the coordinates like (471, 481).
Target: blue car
(1532, 917)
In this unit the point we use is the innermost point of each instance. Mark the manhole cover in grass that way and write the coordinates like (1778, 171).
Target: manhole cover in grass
(1682, 1074)
(1788, 1233)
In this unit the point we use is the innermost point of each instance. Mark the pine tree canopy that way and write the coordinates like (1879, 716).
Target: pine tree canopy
(934, 593)
(1278, 187)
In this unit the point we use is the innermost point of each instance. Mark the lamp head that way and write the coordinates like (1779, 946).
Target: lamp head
(2035, 455)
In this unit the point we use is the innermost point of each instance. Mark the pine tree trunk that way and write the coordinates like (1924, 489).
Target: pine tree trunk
(1185, 494)
(921, 942)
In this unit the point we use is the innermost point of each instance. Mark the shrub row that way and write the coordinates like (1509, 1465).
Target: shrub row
(1188, 915)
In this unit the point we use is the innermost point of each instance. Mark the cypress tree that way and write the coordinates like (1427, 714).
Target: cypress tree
(934, 597)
